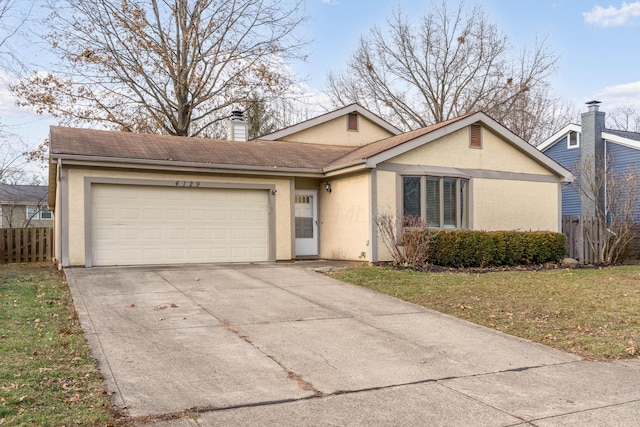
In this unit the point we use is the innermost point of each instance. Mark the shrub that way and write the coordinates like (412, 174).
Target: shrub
(466, 248)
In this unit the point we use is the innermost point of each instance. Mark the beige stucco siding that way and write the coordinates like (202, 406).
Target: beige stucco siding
(386, 192)
(515, 205)
(453, 151)
(345, 219)
(76, 213)
(335, 132)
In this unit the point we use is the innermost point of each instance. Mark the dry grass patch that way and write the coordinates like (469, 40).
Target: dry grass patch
(594, 313)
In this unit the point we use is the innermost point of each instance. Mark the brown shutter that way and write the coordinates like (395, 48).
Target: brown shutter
(352, 121)
(476, 136)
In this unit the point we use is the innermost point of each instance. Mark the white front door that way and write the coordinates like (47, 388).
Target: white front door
(306, 222)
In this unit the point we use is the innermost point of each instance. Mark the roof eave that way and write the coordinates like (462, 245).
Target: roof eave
(79, 160)
(632, 143)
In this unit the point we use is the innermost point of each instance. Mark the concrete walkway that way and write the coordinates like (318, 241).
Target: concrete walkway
(282, 345)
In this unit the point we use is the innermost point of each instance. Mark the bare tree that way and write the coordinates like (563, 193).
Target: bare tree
(13, 15)
(411, 231)
(625, 118)
(170, 66)
(453, 61)
(615, 193)
(260, 116)
(12, 159)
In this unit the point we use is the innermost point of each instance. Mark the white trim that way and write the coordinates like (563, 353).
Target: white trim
(352, 108)
(549, 142)
(631, 143)
(572, 147)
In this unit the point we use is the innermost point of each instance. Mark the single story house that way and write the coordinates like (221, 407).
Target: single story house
(24, 206)
(310, 190)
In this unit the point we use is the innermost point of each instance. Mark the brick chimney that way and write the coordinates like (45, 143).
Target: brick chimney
(238, 129)
(592, 147)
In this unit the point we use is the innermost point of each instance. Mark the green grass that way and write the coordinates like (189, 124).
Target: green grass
(47, 374)
(594, 313)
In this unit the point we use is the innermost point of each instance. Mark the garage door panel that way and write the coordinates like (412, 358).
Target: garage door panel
(140, 225)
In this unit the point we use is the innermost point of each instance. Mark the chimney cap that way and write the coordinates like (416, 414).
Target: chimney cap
(593, 105)
(237, 115)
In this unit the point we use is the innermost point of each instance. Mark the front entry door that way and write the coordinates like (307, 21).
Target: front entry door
(306, 211)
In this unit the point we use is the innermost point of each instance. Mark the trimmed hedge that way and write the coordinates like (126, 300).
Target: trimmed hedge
(466, 248)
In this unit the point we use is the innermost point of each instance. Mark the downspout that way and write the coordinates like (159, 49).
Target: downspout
(59, 213)
(606, 173)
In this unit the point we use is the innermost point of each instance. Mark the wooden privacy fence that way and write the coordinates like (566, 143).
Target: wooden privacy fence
(582, 236)
(26, 245)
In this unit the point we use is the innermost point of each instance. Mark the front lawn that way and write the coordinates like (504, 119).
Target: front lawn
(47, 374)
(594, 313)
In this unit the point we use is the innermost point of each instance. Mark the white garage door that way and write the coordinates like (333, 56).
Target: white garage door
(134, 225)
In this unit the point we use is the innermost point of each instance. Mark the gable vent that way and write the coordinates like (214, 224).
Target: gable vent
(475, 132)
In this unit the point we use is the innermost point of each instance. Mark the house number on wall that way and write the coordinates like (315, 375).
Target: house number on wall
(187, 183)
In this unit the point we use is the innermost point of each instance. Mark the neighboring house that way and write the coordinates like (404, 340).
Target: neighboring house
(310, 190)
(618, 149)
(24, 206)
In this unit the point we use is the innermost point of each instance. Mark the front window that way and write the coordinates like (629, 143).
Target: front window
(441, 202)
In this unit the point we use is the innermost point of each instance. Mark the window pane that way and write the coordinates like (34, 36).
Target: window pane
(449, 202)
(304, 216)
(573, 139)
(433, 202)
(464, 204)
(45, 214)
(32, 212)
(411, 196)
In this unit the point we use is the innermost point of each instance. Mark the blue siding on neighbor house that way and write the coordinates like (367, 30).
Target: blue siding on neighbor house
(622, 159)
(568, 158)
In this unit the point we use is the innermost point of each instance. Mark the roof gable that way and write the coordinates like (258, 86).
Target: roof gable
(630, 139)
(556, 137)
(381, 151)
(317, 122)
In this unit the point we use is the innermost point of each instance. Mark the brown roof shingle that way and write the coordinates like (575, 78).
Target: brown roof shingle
(125, 145)
(75, 142)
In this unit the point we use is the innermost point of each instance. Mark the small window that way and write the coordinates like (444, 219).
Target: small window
(475, 136)
(33, 212)
(573, 139)
(352, 122)
(45, 213)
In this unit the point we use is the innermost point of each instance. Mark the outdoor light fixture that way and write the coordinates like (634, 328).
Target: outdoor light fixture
(327, 187)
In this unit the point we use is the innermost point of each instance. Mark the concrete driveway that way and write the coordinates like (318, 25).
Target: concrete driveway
(281, 344)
